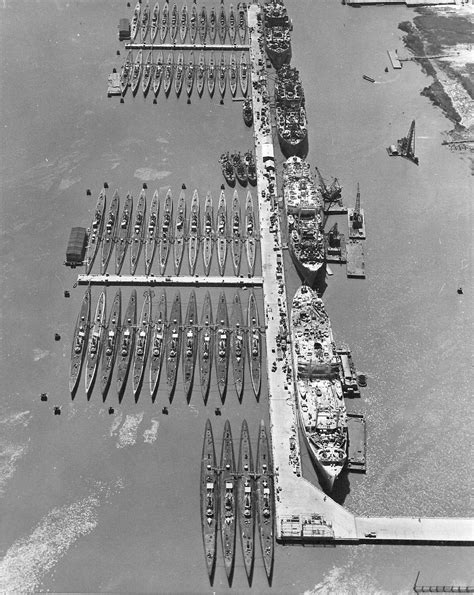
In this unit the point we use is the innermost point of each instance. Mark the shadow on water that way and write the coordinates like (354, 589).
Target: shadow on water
(342, 488)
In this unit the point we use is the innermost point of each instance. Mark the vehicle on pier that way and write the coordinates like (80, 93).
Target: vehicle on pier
(190, 74)
(209, 500)
(79, 341)
(112, 338)
(211, 75)
(254, 345)
(237, 345)
(246, 500)
(233, 74)
(190, 343)
(155, 22)
(145, 22)
(265, 499)
(127, 341)
(168, 74)
(137, 71)
(232, 25)
(152, 233)
(242, 25)
(228, 501)
(95, 231)
(201, 74)
(212, 25)
(183, 23)
(203, 24)
(174, 23)
(243, 73)
(247, 112)
(125, 72)
(158, 73)
(166, 231)
(123, 234)
(142, 341)
(236, 237)
(157, 346)
(222, 28)
(179, 75)
(179, 231)
(147, 73)
(222, 345)
(95, 343)
(250, 233)
(165, 21)
(194, 233)
(221, 233)
(206, 346)
(109, 234)
(222, 75)
(138, 232)
(208, 237)
(173, 344)
(134, 25)
(193, 23)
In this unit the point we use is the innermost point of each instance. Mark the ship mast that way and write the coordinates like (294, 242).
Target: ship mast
(356, 216)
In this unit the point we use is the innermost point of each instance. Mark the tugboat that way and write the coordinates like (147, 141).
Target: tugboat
(138, 232)
(222, 75)
(228, 500)
(265, 495)
(168, 74)
(236, 242)
(232, 25)
(243, 71)
(164, 22)
(190, 74)
(157, 346)
(222, 233)
(251, 168)
(222, 30)
(238, 346)
(155, 20)
(141, 345)
(245, 500)
(222, 351)
(95, 232)
(233, 74)
(145, 22)
(135, 21)
(206, 346)
(255, 345)
(211, 75)
(95, 343)
(180, 232)
(151, 238)
(125, 72)
(250, 233)
(203, 24)
(173, 343)
(112, 339)
(166, 231)
(247, 111)
(213, 25)
(126, 344)
(208, 238)
(321, 407)
(158, 73)
(79, 342)
(241, 9)
(194, 233)
(190, 344)
(209, 500)
(147, 73)
(137, 71)
(174, 23)
(227, 169)
(201, 74)
(178, 81)
(109, 235)
(183, 24)
(193, 23)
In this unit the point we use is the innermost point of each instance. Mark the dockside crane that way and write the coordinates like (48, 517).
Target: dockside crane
(357, 220)
(331, 193)
(405, 146)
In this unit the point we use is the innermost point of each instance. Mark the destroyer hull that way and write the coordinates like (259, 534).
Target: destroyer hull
(190, 346)
(246, 497)
(157, 346)
(80, 341)
(209, 500)
(141, 345)
(228, 501)
(109, 350)
(173, 344)
(206, 346)
(123, 238)
(127, 342)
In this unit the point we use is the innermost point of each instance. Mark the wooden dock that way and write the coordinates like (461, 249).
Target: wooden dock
(357, 455)
(392, 54)
(152, 281)
(113, 84)
(355, 266)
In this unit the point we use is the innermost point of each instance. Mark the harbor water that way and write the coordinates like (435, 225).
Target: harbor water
(98, 502)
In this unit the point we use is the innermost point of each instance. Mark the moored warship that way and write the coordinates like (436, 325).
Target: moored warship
(292, 127)
(277, 33)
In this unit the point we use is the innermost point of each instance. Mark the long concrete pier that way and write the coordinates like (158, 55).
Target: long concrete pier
(187, 46)
(303, 512)
(151, 280)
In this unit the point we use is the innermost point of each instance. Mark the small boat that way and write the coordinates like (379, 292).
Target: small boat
(165, 21)
(236, 239)
(166, 231)
(368, 78)
(247, 111)
(155, 22)
(109, 233)
(211, 75)
(242, 24)
(109, 350)
(179, 232)
(255, 345)
(228, 500)
(212, 25)
(95, 231)
(168, 74)
(138, 232)
(250, 233)
(251, 168)
(173, 343)
(183, 23)
(193, 23)
(233, 74)
(145, 22)
(95, 343)
(222, 28)
(209, 500)
(142, 341)
(178, 80)
(137, 71)
(243, 73)
(232, 24)
(174, 22)
(190, 343)
(79, 341)
(158, 73)
(246, 500)
(222, 232)
(147, 73)
(264, 490)
(222, 344)
(127, 341)
(194, 233)
(190, 74)
(125, 72)
(152, 233)
(237, 345)
(203, 24)
(157, 347)
(201, 74)
(208, 237)
(241, 172)
(222, 75)
(123, 233)
(206, 346)
(134, 25)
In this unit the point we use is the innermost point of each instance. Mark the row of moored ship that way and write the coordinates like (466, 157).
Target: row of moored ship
(173, 231)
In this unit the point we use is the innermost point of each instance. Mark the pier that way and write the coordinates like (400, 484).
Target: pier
(394, 59)
(187, 46)
(152, 281)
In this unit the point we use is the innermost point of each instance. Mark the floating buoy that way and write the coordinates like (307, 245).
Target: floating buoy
(111, 410)
(57, 337)
(164, 411)
(361, 380)
(106, 185)
(66, 293)
(222, 102)
(218, 411)
(88, 192)
(183, 186)
(144, 186)
(121, 100)
(189, 101)
(460, 291)
(44, 396)
(57, 410)
(154, 101)
(118, 54)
